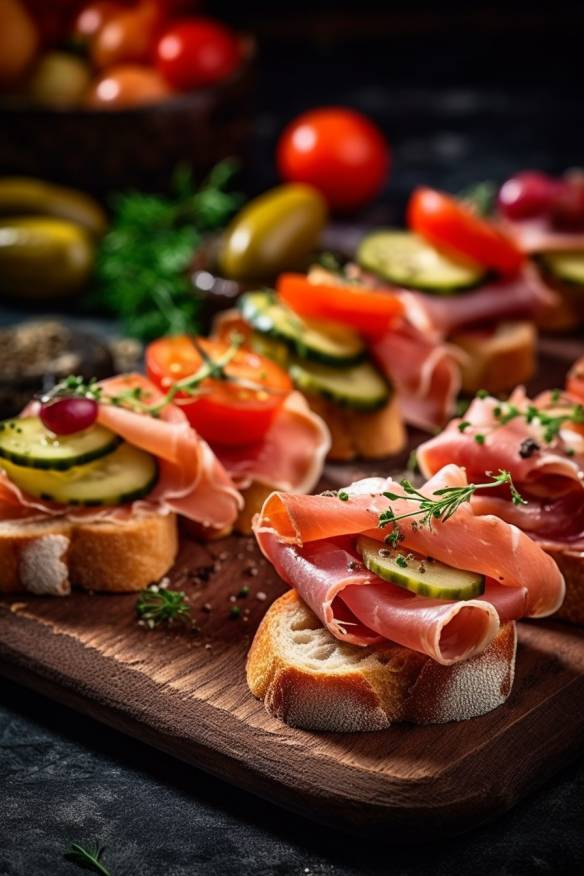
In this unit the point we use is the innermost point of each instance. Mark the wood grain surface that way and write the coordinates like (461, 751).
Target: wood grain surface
(184, 691)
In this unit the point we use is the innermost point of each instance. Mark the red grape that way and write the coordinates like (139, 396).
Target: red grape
(568, 207)
(64, 416)
(526, 195)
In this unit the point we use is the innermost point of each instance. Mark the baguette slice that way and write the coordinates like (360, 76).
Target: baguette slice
(499, 360)
(368, 435)
(571, 565)
(310, 680)
(50, 556)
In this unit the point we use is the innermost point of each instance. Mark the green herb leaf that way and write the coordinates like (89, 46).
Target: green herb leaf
(158, 605)
(88, 858)
(142, 265)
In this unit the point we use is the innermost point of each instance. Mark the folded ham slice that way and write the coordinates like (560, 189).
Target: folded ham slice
(311, 542)
(289, 457)
(549, 475)
(539, 235)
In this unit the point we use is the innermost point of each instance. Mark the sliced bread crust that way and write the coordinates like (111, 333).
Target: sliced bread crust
(571, 565)
(50, 556)
(500, 361)
(310, 680)
(364, 434)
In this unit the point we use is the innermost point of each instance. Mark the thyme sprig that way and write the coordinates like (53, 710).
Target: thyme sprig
(158, 605)
(550, 419)
(447, 503)
(133, 398)
(88, 858)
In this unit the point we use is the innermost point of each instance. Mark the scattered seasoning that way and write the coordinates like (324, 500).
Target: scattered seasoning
(343, 495)
(261, 596)
(207, 607)
(570, 451)
(243, 592)
(384, 553)
(482, 393)
(422, 567)
(401, 561)
(252, 571)
(555, 395)
(353, 565)
(413, 465)
(528, 447)
(157, 605)
(224, 555)
(232, 598)
(464, 425)
(250, 547)
(479, 438)
(235, 612)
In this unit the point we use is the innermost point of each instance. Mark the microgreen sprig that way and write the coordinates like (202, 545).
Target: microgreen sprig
(158, 605)
(447, 503)
(88, 858)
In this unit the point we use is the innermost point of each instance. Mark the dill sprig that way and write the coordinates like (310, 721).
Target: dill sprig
(447, 503)
(158, 605)
(88, 858)
(143, 261)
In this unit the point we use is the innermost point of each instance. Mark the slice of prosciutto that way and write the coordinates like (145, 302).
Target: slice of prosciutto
(550, 475)
(192, 482)
(310, 540)
(539, 235)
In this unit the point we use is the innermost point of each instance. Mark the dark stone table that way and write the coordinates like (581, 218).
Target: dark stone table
(458, 106)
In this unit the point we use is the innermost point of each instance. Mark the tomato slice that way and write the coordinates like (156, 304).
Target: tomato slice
(225, 412)
(447, 224)
(363, 309)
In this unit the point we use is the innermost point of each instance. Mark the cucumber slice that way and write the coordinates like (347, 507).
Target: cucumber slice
(418, 574)
(272, 349)
(360, 387)
(26, 441)
(121, 476)
(565, 266)
(404, 259)
(310, 339)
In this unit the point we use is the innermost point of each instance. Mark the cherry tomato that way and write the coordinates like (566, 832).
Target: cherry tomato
(126, 86)
(65, 416)
(338, 151)
(128, 37)
(19, 40)
(526, 195)
(449, 225)
(224, 412)
(194, 52)
(363, 309)
(92, 17)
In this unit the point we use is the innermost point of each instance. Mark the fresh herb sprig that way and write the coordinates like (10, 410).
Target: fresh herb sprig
(159, 605)
(88, 858)
(550, 419)
(143, 261)
(133, 397)
(447, 503)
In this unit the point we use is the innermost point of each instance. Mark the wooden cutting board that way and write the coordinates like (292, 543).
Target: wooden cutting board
(185, 693)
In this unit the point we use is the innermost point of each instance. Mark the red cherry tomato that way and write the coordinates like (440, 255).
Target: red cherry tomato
(363, 309)
(338, 151)
(224, 412)
(449, 225)
(526, 195)
(126, 86)
(195, 52)
(568, 207)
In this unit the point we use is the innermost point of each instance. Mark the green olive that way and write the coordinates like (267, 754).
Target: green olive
(42, 257)
(275, 232)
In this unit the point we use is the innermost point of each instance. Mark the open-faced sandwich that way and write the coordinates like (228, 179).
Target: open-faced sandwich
(462, 280)
(544, 216)
(541, 443)
(260, 429)
(403, 605)
(91, 480)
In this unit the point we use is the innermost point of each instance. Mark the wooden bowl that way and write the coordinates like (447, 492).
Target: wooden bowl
(103, 150)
